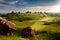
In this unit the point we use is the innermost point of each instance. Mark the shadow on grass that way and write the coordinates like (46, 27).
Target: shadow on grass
(40, 32)
(17, 32)
(56, 36)
(48, 35)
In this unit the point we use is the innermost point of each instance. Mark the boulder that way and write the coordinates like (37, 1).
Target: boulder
(6, 27)
(27, 32)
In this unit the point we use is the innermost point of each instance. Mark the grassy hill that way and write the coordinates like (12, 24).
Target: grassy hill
(46, 28)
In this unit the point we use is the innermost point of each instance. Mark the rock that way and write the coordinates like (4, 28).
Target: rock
(27, 32)
(6, 27)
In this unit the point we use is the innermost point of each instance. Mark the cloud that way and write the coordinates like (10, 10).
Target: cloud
(10, 0)
(41, 2)
(1, 0)
(2, 6)
(25, 5)
(13, 2)
(24, 9)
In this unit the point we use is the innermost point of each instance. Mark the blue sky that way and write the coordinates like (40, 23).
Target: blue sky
(25, 5)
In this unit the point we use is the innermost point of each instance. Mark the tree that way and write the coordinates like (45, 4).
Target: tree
(28, 12)
(19, 12)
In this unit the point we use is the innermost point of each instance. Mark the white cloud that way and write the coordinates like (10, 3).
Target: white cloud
(23, 3)
(13, 2)
(2, 6)
(9, 8)
(13, 8)
(1, 0)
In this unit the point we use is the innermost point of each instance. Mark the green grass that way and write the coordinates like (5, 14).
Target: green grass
(38, 26)
(24, 23)
(19, 26)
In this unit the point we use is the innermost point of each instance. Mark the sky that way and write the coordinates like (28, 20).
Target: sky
(29, 5)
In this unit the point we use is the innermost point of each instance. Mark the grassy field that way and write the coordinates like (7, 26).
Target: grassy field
(42, 30)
